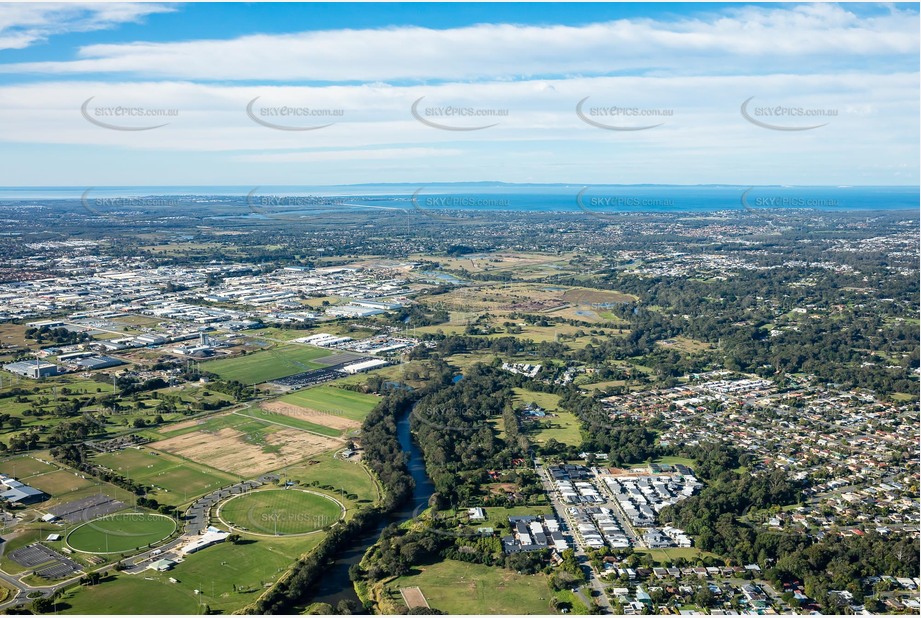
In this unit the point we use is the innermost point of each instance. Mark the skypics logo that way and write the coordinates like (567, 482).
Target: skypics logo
(769, 207)
(288, 118)
(592, 116)
(447, 115)
(778, 114)
(307, 519)
(114, 208)
(291, 208)
(437, 206)
(125, 118)
(612, 207)
(431, 417)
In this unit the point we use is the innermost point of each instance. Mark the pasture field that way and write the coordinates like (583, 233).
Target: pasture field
(671, 460)
(673, 553)
(564, 333)
(685, 345)
(333, 400)
(120, 532)
(457, 587)
(267, 365)
(563, 427)
(547, 401)
(343, 329)
(177, 480)
(227, 577)
(280, 512)
(496, 515)
(191, 394)
(589, 296)
(526, 296)
(568, 598)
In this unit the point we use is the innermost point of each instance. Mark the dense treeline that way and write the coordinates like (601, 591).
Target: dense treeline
(703, 514)
(447, 345)
(382, 451)
(713, 460)
(59, 335)
(417, 315)
(623, 441)
(398, 550)
(128, 385)
(237, 390)
(735, 315)
(451, 427)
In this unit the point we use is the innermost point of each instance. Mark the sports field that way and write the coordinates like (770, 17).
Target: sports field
(227, 577)
(60, 482)
(130, 594)
(280, 511)
(120, 532)
(24, 466)
(343, 476)
(285, 360)
(177, 478)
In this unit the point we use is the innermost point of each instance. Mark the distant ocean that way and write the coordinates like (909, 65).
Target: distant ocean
(522, 197)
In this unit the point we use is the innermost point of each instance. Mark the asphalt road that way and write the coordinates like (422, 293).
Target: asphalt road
(562, 514)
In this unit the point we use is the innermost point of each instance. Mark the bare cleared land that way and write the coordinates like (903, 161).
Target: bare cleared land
(413, 597)
(230, 451)
(314, 416)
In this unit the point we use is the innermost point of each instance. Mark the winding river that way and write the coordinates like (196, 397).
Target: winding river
(336, 585)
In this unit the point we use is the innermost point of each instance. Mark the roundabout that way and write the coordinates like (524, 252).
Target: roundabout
(280, 512)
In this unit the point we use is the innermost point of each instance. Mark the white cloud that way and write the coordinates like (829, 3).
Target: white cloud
(23, 24)
(776, 38)
(702, 68)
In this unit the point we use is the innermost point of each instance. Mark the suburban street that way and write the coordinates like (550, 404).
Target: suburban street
(635, 539)
(566, 524)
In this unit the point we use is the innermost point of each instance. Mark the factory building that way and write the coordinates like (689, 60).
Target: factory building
(32, 369)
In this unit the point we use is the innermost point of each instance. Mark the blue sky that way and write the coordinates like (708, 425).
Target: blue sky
(318, 94)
